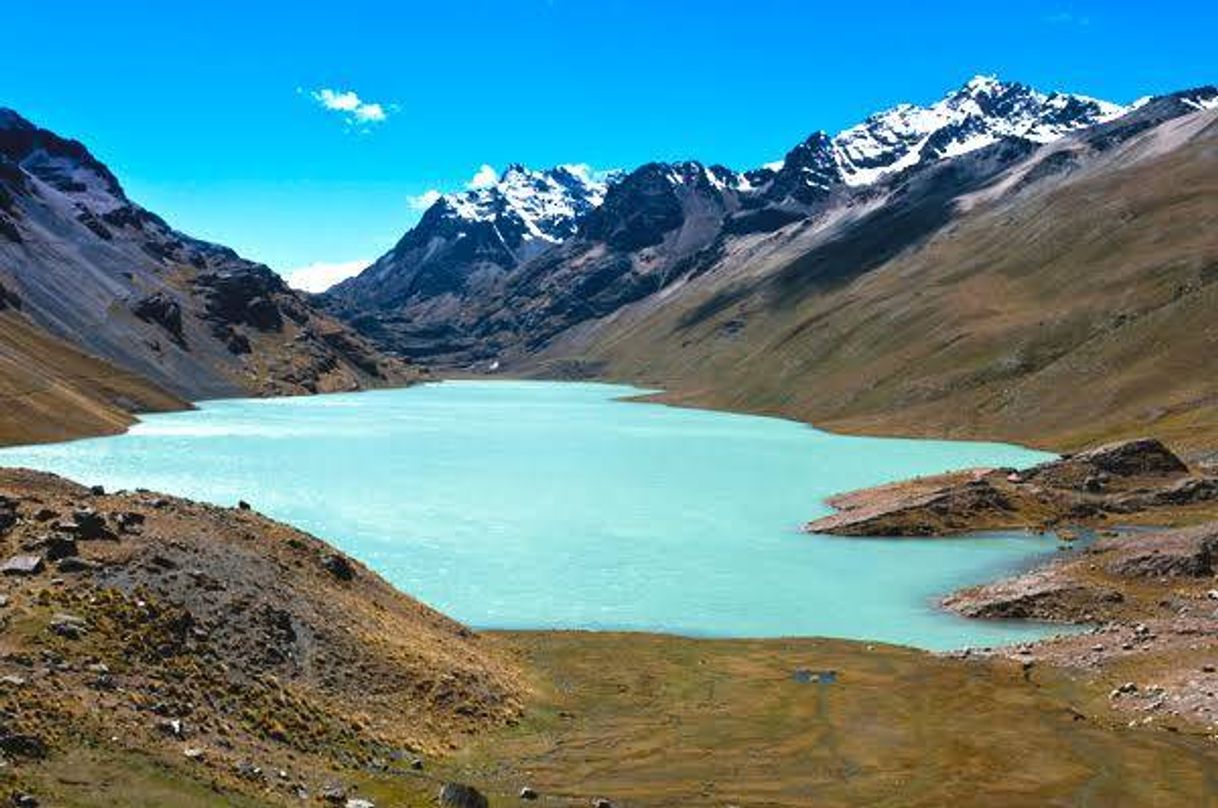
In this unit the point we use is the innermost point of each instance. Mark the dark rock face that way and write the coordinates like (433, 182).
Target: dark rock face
(243, 298)
(459, 795)
(163, 310)
(640, 210)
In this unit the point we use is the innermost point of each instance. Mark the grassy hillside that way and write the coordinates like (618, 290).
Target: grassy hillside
(1054, 314)
(50, 391)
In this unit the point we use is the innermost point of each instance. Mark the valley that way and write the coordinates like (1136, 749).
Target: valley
(608, 590)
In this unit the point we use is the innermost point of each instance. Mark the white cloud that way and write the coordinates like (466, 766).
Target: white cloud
(348, 104)
(424, 200)
(321, 276)
(485, 178)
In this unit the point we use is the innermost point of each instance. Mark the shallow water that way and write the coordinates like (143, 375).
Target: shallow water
(532, 504)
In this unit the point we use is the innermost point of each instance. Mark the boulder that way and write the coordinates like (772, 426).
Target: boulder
(22, 565)
(16, 744)
(459, 795)
(338, 566)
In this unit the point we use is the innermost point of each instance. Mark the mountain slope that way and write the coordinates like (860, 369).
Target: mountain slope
(98, 271)
(458, 290)
(461, 248)
(1063, 298)
(49, 391)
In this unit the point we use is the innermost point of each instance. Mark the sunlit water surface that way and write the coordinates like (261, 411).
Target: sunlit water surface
(554, 505)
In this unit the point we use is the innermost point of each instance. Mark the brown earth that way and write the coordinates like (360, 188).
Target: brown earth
(172, 653)
(50, 391)
(218, 646)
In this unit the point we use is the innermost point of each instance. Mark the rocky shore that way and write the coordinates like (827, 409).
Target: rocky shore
(220, 647)
(1130, 482)
(1148, 597)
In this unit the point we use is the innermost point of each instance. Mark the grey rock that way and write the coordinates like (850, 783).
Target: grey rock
(22, 565)
(338, 566)
(459, 795)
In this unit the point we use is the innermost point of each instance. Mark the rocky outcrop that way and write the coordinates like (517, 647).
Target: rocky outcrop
(1186, 553)
(1124, 478)
(1040, 595)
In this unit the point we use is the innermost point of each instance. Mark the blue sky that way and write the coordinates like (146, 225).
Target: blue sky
(208, 112)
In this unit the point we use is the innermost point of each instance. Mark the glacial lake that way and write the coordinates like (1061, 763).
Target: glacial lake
(556, 505)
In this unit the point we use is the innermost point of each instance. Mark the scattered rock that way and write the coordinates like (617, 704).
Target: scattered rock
(601, 802)
(20, 799)
(21, 745)
(247, 771)
(69, 626)
(527, 793)
(194, 753)
(97, 490)
(333, 793)
(459, 795)
(75, 564)
(129, 521)
(22, 565)
(338, 566)
(357, 802)
(87, 524)
(57, 547)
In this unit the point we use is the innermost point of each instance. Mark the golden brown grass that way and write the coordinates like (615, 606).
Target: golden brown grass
(50, 391)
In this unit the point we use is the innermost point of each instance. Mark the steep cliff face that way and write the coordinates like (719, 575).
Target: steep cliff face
(95, 270)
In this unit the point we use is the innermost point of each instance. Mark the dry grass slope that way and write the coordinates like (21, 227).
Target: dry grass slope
(1074, 311)
(50, 391)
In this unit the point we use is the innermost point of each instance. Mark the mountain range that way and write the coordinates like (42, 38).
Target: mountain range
(495, 245)
(732, 288)
(959, 268)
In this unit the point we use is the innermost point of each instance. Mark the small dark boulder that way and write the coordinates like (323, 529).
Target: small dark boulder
(459, 795)
(57, 547)
(338, 566)
(19, 745)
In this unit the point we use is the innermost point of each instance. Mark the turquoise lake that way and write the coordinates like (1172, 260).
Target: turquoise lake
(555, 505)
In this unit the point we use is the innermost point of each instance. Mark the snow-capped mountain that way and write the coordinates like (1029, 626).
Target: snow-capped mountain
(977, 115)
(547, 248)
(530, 208)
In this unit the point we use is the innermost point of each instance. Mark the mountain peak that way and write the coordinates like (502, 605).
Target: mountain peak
(982, 83)
(983, 111)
